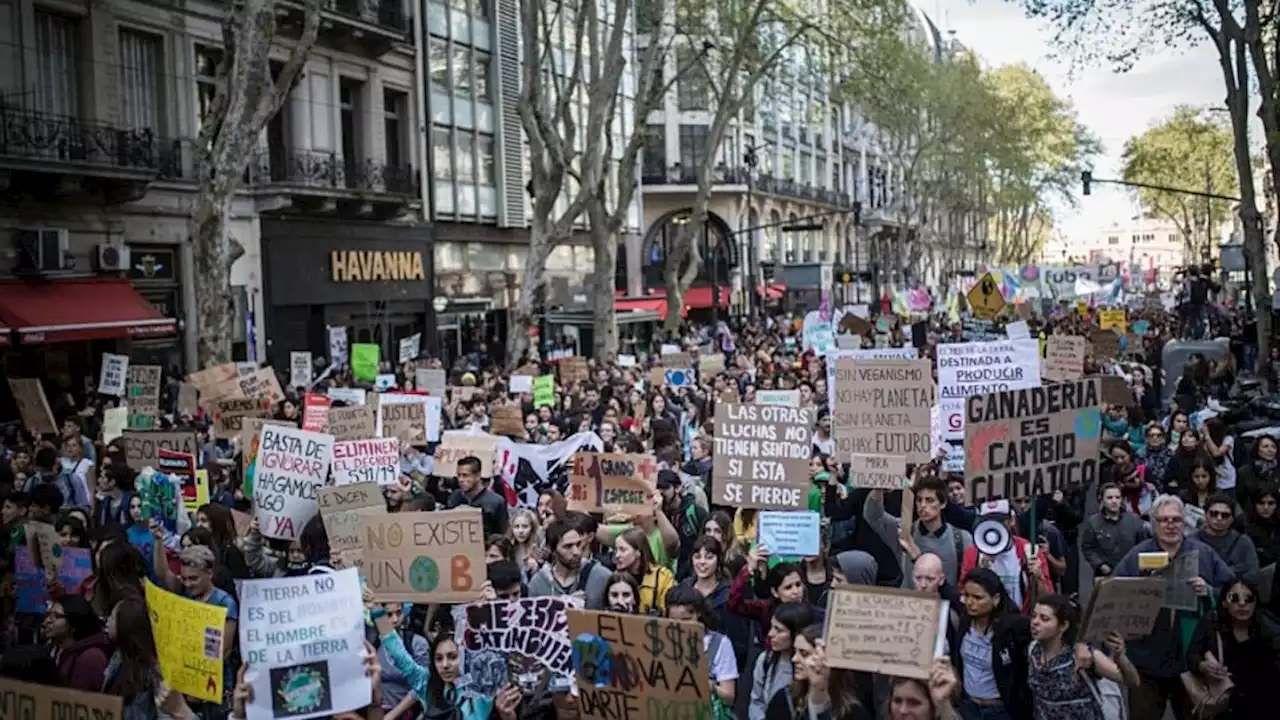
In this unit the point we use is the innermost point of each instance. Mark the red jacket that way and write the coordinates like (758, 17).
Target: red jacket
(82, 665)
(1023, 548)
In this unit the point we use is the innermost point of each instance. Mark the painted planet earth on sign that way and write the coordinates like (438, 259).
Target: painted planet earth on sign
(424, 575)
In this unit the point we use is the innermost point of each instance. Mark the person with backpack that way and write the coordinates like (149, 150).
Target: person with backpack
(568, 573)
(931, 533)
(1083, 684)
(73, 488)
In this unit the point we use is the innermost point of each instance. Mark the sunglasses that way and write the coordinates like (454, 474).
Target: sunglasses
(1239, 599)
(1220, 514)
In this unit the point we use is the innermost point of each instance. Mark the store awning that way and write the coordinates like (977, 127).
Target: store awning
(79, 309)
(696, 298)
(5, 334)
(773, 291)
(658, 305)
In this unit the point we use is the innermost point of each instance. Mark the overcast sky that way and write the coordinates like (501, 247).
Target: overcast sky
(1113, 106)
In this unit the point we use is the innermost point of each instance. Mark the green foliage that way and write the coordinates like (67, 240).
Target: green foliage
(1189, 151)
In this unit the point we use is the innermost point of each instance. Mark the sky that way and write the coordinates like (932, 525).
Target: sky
(1113, 106)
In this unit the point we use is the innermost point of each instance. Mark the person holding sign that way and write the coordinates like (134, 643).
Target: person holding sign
(1066, 678)
(819, 691)
(990, 657)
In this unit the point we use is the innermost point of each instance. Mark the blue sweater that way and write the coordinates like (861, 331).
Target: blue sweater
(416, 677)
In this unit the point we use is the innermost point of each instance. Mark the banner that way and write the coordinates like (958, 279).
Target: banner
(290, 465)
(514, 640)
(882, 630)
(981, 368)
(530, 468)
(612, 483)
(1025, 443)
(339, 511)
(28, 701)
(189, 637)
(882, 408)
(761, 457)
(375, 460)
(633, 661)
(115, 372)
(424, 557)
(301, 639)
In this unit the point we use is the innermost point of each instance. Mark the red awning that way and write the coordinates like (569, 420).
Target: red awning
(4, 336)
(643, 303)
(79, 309)
(696, 298)
(774, 291)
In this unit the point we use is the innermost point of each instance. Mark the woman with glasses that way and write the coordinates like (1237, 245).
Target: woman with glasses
(1234, 643)
(1157, 453)
(1262, 469)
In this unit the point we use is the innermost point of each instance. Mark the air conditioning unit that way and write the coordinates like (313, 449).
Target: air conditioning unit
(40, 251)
(111, 258)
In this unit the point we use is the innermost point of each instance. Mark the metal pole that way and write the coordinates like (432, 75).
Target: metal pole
(715, 276)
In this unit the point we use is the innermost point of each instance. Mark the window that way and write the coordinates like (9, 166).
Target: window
(395, 106)
(140, 95)
(480, 75)
(462, 86)
(441, 154)
(439, 63)
(349, 92)
(485, 166)
(788, 163)
(806, 162)
(466, 170)
(1113, 240)
(57, 64)
(206, 76)
(655, 151)
(693, 146)
(692, 90)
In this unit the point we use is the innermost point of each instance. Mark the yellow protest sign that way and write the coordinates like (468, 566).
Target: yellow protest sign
(189, 637)
(1108, 319)
(985, 299)
(202, 492)
(1082, 307)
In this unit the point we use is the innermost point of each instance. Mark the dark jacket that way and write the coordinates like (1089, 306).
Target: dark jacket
(1250, 478)
(83, 665)
(1254, 664)
(1011, 635)
(1105, 541)
(493, 509)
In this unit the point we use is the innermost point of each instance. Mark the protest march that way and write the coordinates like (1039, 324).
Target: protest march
(855, 512)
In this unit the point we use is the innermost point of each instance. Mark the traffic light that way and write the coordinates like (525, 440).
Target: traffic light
(1086, 179)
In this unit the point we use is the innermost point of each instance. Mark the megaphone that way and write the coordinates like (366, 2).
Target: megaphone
(991, 537)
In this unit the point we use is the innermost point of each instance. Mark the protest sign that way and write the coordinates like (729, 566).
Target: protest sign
(1109, 319)
(142, 448)
(410, 347)
(507, 420)
(229, 414)
(881, 630)
(1063, 358)
(573, 369)
(143, 396)
(834, 354)
(678, 360)
(181, 468)
(458, 444)
(242, 521)
(348, 396)
(375, 460)
(424, 557)
(627, 663)
(315, 412)
(188, 399)
(883, 472)
(339, 511)
(430, 380)
(352, 422)
(404, 421)
(301, 640)
(189, 638)
(882, 408)
(114, 376)
(1177, 576)
(789, 533)
(300, 369)
(761, 457)
(1127, 605)
(514, 640)
(262, 384)
(1017, 330)
(75, 565)
(209, 377)
(1106, 343)
(1025, 443)
(612, 483)
(544, 391)
(33, 406)
(28, 701)
(291, 463)
(786, 398)
(982, 368)
(114, 422)
(339, 344)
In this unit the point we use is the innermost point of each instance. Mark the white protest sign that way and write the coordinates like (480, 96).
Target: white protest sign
(1018, 330)
(432, 406)
(982, 368)
(786, 398)
(384, 381)
(789, 533)
(834, 355)
(301, 639)
(114, 376)
(299, 369)
(430, 380)
(410, 347)
(338, 347)
(519, 640)
(521, 383)
(376, 460)
(350, 396)
(291, 464)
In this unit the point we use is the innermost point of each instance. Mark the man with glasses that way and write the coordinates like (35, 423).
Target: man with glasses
(1233, 546)
(1159, 656)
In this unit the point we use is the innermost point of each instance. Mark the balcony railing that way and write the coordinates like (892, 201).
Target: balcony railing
(55, 139)
(680, 175)
(329, 170)
(383, 13)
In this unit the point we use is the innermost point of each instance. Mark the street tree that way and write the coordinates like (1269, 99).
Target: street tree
(1189, 150)
(249, 93)
(1035, 162)
(1243, 33)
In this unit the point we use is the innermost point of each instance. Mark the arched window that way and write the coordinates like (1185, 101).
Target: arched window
(772, 241)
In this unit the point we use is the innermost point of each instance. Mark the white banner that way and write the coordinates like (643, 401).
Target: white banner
(114, 376)
(1065, 282)
(376, 460)
(545, 463)
(982, 368)
(302, 641)
(291, 464)
(300, 369)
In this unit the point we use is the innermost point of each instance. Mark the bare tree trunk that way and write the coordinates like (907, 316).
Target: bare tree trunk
(213, 253)
(527, 313)
(604, 313)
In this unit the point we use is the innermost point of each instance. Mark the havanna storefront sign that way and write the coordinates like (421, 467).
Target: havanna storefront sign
(376, 265)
